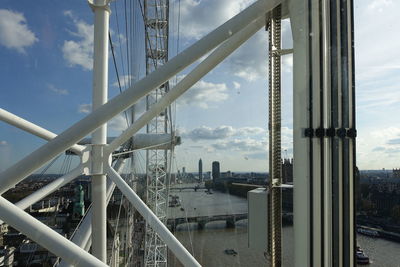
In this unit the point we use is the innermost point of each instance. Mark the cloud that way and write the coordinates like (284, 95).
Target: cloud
(376, 149)
(79, 52)
(241, 145)
(236, 85)
(221, 132)
(202, 94)
(379, 5)
(207, 133)
(377, 73)
(56, 90)
(118, 123)
(124, 80)
(198, 17)
(3, 143)
(395, 141)
(257, 155)
(85, 108)
(379, 148)
(250, 61)
(14, 31)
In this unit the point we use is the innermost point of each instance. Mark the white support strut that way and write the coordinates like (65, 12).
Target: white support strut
(45, 236)
(49, 188)
(79, 130)
(34, 129)
(99, 137)
(82, 235)
(173, 244)
(195, 75)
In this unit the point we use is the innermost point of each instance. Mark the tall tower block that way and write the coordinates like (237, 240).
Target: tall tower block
(215, 171)
(200, 171)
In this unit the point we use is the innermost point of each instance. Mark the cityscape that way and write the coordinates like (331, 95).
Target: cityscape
(378, 208)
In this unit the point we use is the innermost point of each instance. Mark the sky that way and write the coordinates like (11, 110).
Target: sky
(46, 77)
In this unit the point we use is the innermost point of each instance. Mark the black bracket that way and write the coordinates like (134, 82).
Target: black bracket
(330, 132)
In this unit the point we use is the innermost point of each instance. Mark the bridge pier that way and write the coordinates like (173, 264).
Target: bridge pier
(201, 225)
(230, 223)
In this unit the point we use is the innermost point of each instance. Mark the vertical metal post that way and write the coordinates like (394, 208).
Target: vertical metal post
(275, 168)
(324, 132)
(99, 137)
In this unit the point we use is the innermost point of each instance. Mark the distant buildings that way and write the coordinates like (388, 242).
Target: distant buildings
(215, 171)
(200, 171)
(396, 173)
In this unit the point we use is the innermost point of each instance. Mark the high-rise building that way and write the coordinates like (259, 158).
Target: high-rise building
(215, 171)
(200, 171)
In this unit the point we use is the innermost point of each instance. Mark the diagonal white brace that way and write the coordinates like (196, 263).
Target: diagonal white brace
(173, 244)
(49, 188)
(79, 130)
(45, 236)
(216, 57)
(34, 129)
(82, 235)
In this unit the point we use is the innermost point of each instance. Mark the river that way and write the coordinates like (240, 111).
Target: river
(208, 245)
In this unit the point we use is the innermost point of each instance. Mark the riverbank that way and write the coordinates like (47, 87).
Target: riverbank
(208, 245)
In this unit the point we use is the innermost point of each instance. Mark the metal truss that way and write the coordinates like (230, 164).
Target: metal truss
(156, 22)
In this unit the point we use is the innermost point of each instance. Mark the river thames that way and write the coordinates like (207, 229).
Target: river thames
(208, 245)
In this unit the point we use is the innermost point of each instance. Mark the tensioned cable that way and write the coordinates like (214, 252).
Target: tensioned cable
(177, 52)
(147, 35)
(119, 38)
(116, 71)
(127, 42)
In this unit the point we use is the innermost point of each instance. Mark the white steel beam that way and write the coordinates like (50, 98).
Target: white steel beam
(146, 141)
(302, 194)
(195, 75)
(323, 132)
(45, 236)
(99, 137)
(49, 188)
(173, 244)
(79, 130)
(82, 235)
(34, 129)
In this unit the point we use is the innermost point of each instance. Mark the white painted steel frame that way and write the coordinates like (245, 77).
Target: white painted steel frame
(82, 235)
(34, 129)
(319, 162)
(299, 11)
(173, 244)
(45, 236)
(190, 79)
(79, 130)
(99, 137)
(68, 138)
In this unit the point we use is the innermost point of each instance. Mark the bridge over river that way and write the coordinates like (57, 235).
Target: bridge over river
(195, 188)
(201, 221)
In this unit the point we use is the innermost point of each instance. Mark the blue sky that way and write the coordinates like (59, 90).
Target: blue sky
(45, 73)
